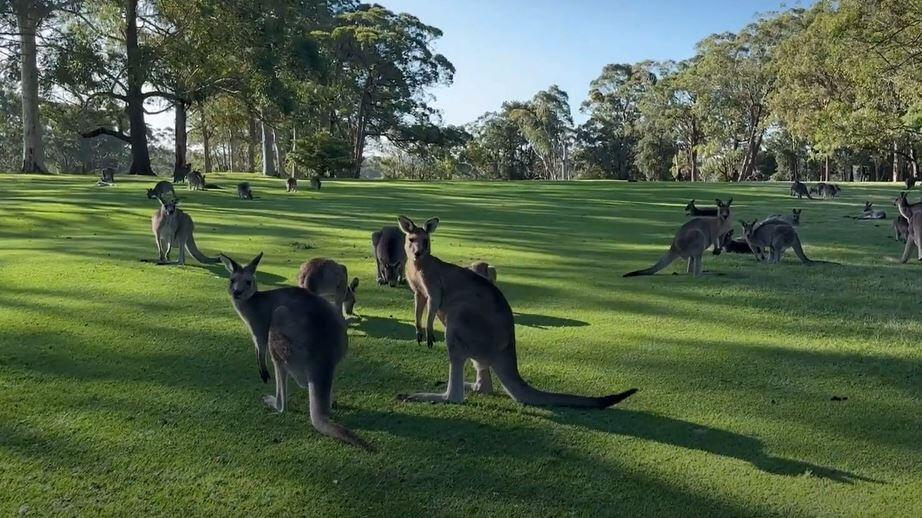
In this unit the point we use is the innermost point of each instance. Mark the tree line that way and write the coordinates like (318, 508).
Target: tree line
(307, 86)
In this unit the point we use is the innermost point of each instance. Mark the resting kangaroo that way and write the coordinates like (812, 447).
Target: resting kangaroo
(478, 326)
(292, 184)
(173, 227)
(870, 213)
(484, 270)
(304, 336)
(691, 210)
(734, 246)
(160, 190)
(244, 192)
(390, 257)
(800, 190)
(778, 235)
(692, 239)
(330, 280)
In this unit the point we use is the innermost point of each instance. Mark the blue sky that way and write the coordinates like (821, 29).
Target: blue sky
(510, 49)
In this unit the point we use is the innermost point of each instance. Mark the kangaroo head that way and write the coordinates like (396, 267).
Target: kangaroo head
(151, 194)
(349, 301)
(169, 206)
(748, 227)
(690, 207)
(242, 278)
(723, 209)
(417, 238)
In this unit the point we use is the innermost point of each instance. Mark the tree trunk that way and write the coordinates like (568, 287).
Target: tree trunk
(358, 151)
(267, 151)
(915, 165)
(896, 163)
(279, 153)
(33, 153)
(181, 136)
(252, 142)
(140, 155)
(206, 142)
(826, 170)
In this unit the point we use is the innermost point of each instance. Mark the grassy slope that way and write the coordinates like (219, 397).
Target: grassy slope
(129, 386)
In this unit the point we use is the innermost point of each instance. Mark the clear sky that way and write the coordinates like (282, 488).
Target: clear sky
(509, 49)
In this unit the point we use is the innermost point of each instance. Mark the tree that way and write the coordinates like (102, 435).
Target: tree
(547, 124)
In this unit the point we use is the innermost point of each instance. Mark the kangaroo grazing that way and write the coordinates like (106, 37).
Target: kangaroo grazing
(692, 239)
(910, 182)
(777, 235)
(330, 280)
(180, 173)
(485, 270)
(315, 183)
(390, 257)
(244, 192)
(791, 219)
(160, 190)
(304, 336)
(173, 227)
(108, 175)
(826, 190)
(479, 326)
(691, 210)
(195, 181)
(800, 190)
(292, 184)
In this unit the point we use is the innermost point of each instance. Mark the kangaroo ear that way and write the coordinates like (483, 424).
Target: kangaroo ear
(229, 263)
(729, 202)
(354, 284)
(254, 263)
(406, 224)
(431, 225)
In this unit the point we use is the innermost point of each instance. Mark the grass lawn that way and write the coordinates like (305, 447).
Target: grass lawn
(127, 387)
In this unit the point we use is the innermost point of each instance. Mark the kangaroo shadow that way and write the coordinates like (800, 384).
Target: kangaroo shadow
(666, 430)
(545, 321)
(380, 327)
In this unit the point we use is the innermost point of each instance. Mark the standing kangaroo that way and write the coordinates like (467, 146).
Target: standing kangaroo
(913, 219)
(292, 184)
(315, 183)
(800, 190)
(778, 235)
(691, 210)
(390, 257)
(244, 191)
(195, 181)
(173, 227)
(478, 326)
(304, 336)
(692, 239)
(330, 280)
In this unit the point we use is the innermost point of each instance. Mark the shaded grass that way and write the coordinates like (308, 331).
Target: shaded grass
(130, 387)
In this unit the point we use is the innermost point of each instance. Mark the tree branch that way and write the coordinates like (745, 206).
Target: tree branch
(106, 131)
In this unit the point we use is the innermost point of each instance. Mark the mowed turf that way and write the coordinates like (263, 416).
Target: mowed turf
(127, 387)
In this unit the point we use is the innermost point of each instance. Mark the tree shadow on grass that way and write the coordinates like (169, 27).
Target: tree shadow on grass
(666, 430)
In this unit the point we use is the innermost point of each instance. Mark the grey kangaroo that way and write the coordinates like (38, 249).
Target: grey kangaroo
(244, 191)
(734, 246)
(914, 226)
(792, 219)
(390, 256)
(173, 227)
(479, 326)
(160, 190)
(330, 280)
(800, 190)
(900, 228)
(870, 213)
(777, 235)
(304, 336)
(691, 210)
(195, 181)
(484, 269)
(292, 184)
(315, 183)
(692, 239)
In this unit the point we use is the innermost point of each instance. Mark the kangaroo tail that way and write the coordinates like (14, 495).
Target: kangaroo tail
(508, 373)
(320, 419)
(197, 254)
(664, 261)
(799, 250)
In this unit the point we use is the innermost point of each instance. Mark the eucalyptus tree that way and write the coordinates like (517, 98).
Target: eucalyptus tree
(547, 124)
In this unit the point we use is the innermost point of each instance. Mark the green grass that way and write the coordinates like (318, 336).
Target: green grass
(127, 387)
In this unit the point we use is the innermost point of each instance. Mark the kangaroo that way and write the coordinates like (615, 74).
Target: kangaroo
(195, 181)
(160, 190)
(304, 336)
(791, 219)
(910, 182)
(484, 270)
(800, 190)
(180, 173)
(315, 183)
(390, 257)
(108, 175)
(479, 326)
(173, 227)
(870, 213)
(244, 192)
(692, 239)
(292, 184)
(912, 215)
(777, 235)
(691, 210)
(734, 246)
(902, 204)
(900, 228)
(330, 280)
(826, 190)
